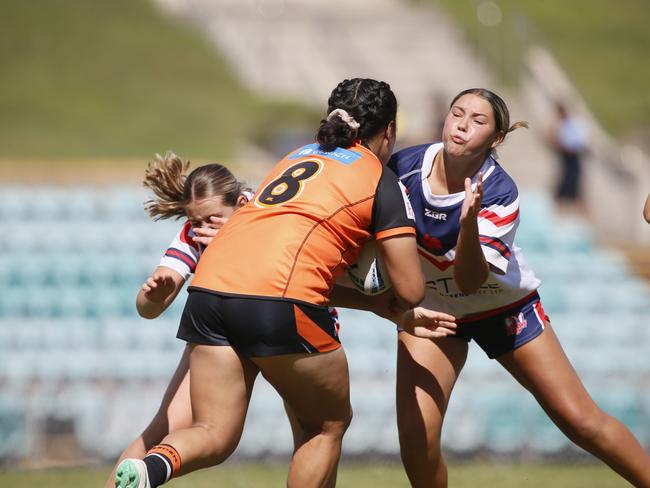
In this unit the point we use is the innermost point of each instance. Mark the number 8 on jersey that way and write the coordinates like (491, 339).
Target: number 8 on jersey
(289, 185)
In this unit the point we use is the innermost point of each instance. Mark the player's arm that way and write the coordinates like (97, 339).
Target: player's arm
(158, 292)
(400, 256)
(418, 321)
(393, 224)
(470, 266)
(175, 267)
(346, 297)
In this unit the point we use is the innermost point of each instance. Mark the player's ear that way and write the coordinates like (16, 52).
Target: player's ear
(390, 131)
(241, 201)
(498, 139)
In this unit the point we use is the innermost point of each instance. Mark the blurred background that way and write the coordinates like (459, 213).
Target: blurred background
(91, 90)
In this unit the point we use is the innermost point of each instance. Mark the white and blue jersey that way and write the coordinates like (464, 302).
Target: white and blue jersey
(438, 224)
(183, 253)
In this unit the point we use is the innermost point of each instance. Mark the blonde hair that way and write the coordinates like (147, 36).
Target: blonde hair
(174, 189)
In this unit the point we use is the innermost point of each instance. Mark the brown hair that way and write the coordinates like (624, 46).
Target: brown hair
(499, 107)
(173, 189)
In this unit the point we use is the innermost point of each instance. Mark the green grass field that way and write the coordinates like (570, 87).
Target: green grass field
(602, 44)
(350, 476)
(119, 79)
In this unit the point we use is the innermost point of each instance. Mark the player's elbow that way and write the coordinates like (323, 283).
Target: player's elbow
(414, 299)
(410, 292)
(468, 288)
(470, 284)
(147, 309)
(147, 313)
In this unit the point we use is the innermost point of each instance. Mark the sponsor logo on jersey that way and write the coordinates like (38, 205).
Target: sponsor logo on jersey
(435, 215)
(339, 154)
(515, 324)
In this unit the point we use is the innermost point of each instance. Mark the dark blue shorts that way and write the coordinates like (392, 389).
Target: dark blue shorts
(505, 329)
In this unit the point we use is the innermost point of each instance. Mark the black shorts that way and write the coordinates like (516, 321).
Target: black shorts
(257, 327)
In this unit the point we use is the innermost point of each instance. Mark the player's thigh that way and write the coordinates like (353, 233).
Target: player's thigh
(176, 406)
(220, 388)
(542, 367)
(426, 373)
(315, 386)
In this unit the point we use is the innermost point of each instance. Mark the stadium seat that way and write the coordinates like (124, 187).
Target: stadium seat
(68, 321)
(14, 441)
(544, 436)
(464, 431)
(125, 203)
(504, 420)
(18, 367)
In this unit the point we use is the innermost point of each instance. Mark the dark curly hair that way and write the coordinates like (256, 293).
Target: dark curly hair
(371, 103)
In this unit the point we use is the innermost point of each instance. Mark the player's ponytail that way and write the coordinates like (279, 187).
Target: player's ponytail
(165, 176)
(174, 190)
(339, 129)
(357, 109)
(517, 125)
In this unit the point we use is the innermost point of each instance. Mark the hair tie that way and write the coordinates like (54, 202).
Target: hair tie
(345, 117)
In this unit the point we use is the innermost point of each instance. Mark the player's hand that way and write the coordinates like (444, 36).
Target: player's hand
(472, 203)
(429, 324)
(158, 286)
(204, 235)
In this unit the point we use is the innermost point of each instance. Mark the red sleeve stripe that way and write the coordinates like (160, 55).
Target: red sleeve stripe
(181, 256)
(185, 235)
(497, 219)
(496, 244)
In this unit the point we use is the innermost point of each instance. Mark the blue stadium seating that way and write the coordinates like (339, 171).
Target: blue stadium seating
(68, 323)
(14, 440)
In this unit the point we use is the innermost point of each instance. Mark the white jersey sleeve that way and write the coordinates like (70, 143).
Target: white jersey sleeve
(183, 253)
(497, 226)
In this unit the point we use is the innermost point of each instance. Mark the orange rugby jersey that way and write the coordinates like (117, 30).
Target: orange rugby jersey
(305, 225)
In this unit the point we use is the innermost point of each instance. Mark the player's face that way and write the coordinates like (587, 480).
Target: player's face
(470, 128)
(199, 211)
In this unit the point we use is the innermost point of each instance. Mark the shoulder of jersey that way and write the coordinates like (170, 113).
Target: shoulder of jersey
(186, 235)
(500, 188)
(345, 156)
(407, 160)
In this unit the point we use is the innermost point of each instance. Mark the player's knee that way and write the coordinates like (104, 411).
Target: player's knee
(581, 426)
(156, 431)
(217, 448)
(416, 441)
(334, 429)
(337, 428)
(416, 433)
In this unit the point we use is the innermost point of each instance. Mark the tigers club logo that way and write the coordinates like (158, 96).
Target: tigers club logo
(515, 324)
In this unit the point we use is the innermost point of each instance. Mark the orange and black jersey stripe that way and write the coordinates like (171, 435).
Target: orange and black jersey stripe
(305, 225)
